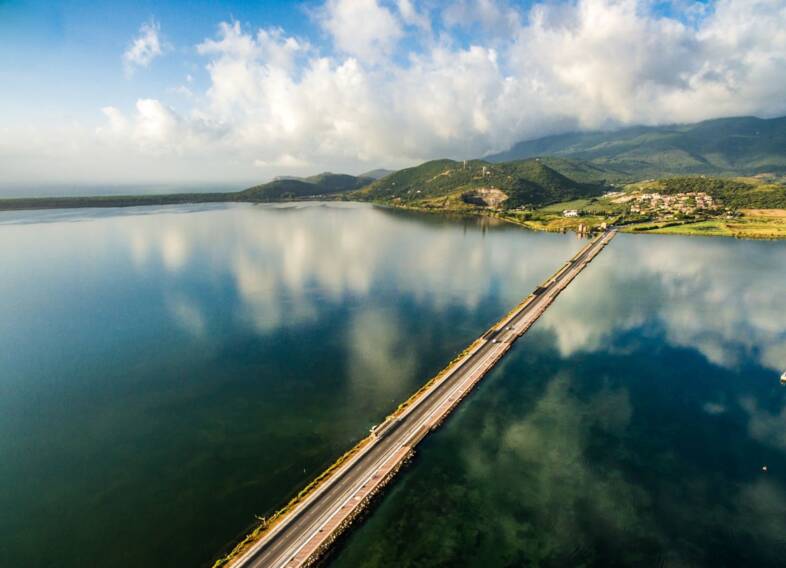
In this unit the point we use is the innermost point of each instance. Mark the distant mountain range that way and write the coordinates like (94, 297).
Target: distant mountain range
(532, 173)
(377, 174)
(537, 170)
(738, 146)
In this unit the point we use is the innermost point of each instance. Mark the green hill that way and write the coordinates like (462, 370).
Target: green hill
(442, 183)
(737, 146)
(294, 188)
(586, 172)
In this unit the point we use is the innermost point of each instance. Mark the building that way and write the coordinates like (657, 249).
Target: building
(570, 213)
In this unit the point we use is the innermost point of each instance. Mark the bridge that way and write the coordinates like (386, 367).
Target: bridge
(305, 532)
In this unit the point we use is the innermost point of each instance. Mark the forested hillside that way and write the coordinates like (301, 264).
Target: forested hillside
(319, 185)
(738, 146)
(731, 193)
(513, 184)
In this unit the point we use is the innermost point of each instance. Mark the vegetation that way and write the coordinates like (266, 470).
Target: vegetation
(751, 224)
(325, 184)
(731, 146)
(319, 186)
(759, 224)
(447, 184)
(583, 180)
(585, 171)
(112, 201)
(554, 223)
(732, 193)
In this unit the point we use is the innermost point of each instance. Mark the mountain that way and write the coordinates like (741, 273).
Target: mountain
(377, 174)
(326, 183)
(585, 172)
(741, 146)
(440, 183)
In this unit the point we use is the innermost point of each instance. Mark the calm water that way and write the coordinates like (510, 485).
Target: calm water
(628, 428)
(167, 374)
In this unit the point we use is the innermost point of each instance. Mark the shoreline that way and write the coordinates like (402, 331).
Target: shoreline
(684, 229)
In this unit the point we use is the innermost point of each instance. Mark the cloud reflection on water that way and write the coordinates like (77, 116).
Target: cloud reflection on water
(281, 267)
(722, 298)
(288, 261)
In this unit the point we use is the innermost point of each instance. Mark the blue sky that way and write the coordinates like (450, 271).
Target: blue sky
(151, 92)
(65, 54)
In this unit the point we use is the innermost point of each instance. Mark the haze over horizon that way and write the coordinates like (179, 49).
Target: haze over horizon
(174, 92)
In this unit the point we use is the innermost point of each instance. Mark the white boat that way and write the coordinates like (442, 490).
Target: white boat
(783, 378)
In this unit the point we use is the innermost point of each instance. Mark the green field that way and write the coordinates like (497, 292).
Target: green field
(754, 224)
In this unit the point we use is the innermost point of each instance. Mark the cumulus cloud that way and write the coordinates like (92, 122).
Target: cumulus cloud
(144, 48)
(397, 82)
(363, 28)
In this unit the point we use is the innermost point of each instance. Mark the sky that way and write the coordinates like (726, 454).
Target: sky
(236, 92)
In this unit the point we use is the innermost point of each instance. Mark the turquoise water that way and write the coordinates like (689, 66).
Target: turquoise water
(167, 374)
(630, 427)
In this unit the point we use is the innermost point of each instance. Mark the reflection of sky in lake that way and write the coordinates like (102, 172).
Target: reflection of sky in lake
(629, 427)
(724, 298)
(168, 373)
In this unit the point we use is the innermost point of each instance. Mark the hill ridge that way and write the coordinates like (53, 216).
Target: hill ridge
(734, 145)
(523, 183)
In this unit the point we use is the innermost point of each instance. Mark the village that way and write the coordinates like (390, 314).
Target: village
(659, 205)
(669, 206)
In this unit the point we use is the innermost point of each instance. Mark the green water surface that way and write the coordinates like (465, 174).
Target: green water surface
(630, 427)
(167, 374)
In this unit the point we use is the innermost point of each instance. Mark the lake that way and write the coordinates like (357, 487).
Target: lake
(166, 374)
(630, 427)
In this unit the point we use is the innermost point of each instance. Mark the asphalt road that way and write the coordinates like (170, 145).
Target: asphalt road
(279, 547)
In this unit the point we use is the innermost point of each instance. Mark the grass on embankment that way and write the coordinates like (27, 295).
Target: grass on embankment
(554, 224)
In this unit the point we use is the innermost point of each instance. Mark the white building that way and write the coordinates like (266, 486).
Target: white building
(570, 213)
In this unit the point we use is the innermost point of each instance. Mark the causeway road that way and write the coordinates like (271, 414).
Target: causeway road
(305, 532)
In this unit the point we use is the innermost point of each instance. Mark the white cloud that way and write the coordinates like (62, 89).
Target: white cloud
(187, 314)
(399, 83)
(144, 48)
(410, 15)
(363, 28)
